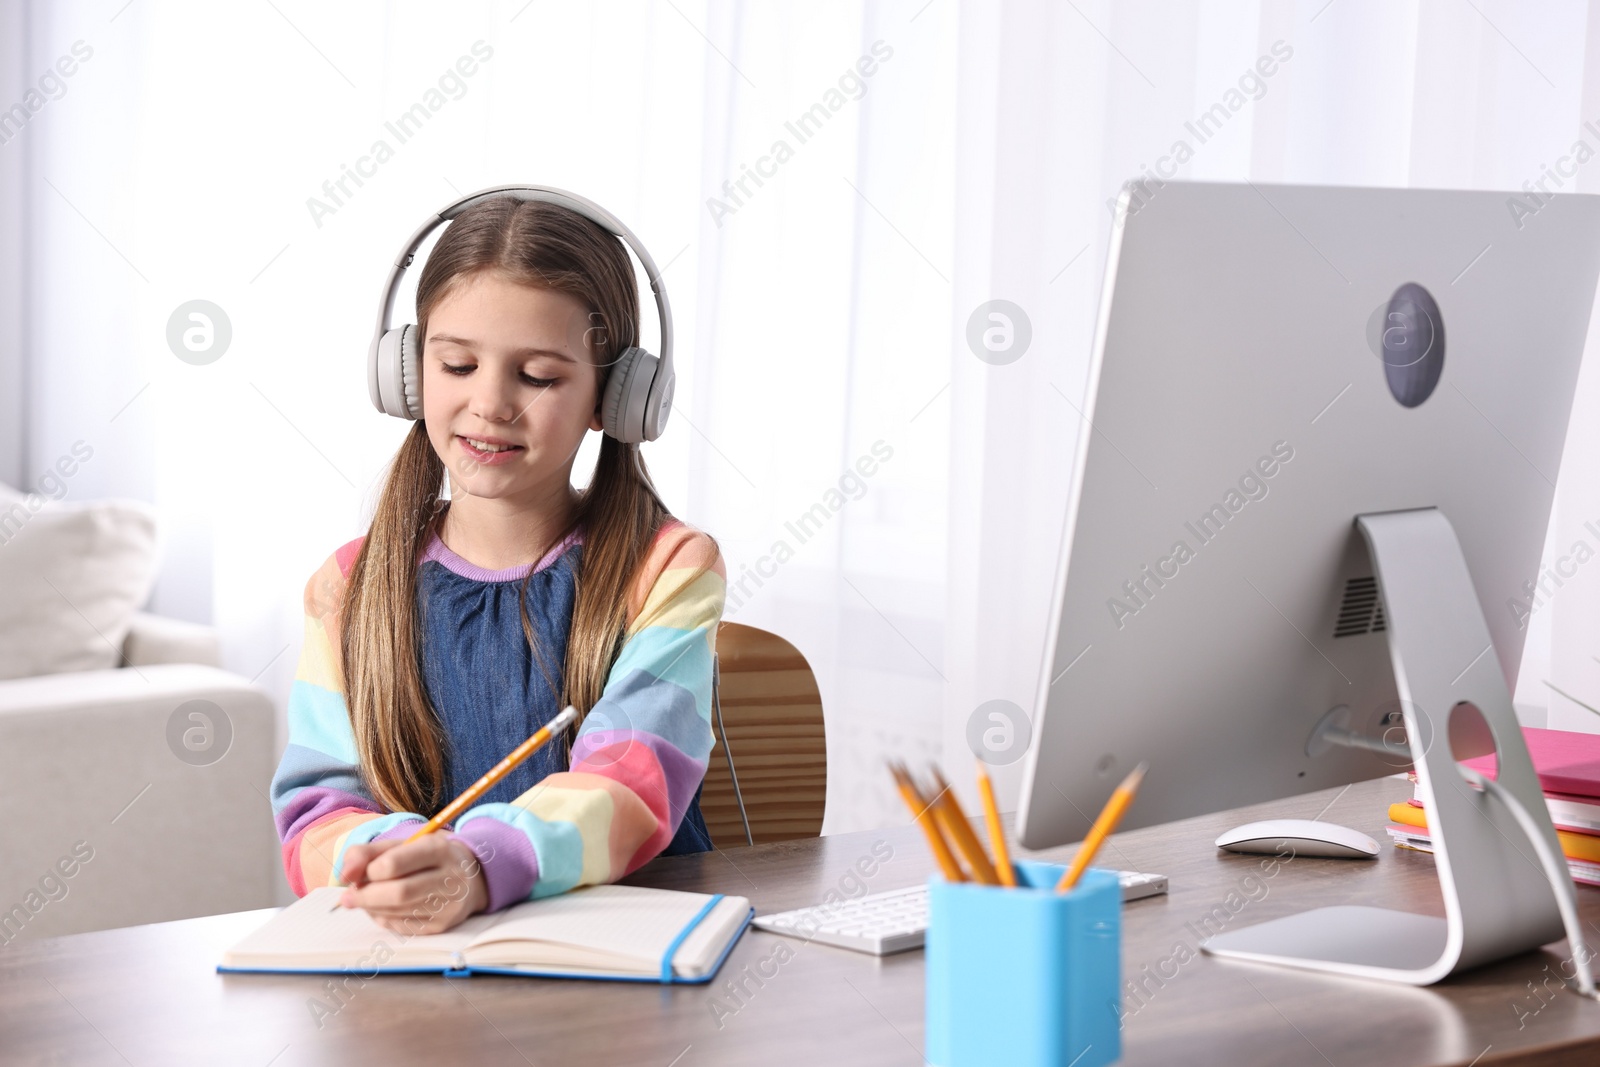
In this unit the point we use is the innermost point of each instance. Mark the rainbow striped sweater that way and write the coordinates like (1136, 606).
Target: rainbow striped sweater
(634, 770)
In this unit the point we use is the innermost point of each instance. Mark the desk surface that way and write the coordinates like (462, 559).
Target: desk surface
(149, 995)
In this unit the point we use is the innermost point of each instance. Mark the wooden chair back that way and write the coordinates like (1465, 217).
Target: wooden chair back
(771, 753)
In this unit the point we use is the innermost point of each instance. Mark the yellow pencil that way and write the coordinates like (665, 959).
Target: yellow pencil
(1121, 797)
(997, 837)
(924, 817)
(568, 716)
(960, 831)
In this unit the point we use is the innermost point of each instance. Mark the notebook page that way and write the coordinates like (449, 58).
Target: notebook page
(624, 921)
(314, 928)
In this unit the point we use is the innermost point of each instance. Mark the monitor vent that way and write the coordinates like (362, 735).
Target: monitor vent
(1362, 609)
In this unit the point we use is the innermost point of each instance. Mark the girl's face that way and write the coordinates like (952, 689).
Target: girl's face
(508, 363)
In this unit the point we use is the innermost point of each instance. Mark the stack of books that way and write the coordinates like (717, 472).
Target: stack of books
(1568, 765)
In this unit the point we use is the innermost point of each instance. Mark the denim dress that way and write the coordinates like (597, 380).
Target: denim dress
(482, 678)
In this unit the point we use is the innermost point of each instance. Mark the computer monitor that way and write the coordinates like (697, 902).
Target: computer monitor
(1272, 362)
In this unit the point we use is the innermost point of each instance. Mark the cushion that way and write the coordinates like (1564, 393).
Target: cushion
(73, 574)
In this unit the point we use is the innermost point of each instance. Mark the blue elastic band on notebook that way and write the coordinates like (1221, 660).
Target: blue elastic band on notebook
(666, 960)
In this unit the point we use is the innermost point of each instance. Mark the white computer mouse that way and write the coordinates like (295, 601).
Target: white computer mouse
(1306, 837)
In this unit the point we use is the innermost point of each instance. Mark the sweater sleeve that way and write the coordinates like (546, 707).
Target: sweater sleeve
(640, 753)
(319, 803)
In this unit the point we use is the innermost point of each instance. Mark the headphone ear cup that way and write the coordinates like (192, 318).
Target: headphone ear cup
(657, 412)
(622, 411)
(411, 370)
(396, 380)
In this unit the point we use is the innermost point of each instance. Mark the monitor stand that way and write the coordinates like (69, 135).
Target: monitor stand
(1497, 901)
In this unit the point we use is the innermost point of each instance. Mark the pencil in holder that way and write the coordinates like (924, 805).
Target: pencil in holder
(1025, 976)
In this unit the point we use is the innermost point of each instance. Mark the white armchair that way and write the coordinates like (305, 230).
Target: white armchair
(136, 794)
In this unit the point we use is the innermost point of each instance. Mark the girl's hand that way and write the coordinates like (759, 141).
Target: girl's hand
(425, 887)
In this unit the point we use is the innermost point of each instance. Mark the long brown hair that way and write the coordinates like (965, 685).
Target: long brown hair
(399, 736)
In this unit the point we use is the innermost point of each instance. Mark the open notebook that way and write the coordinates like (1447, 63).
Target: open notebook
(625, 933)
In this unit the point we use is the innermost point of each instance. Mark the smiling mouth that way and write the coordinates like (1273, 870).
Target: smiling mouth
(486, 452)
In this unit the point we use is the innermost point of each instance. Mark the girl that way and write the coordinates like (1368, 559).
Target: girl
(455, 628)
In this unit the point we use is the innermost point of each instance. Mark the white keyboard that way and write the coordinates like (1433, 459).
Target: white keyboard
(895, 920)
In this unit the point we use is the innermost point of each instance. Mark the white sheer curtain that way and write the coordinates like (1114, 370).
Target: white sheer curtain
(1066, 101)
(179, 163)
(1061, 103)
(832, 189)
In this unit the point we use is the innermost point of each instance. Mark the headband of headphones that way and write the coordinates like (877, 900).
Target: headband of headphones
(638, 394)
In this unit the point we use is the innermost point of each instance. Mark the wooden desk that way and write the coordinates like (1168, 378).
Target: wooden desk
(149, 995)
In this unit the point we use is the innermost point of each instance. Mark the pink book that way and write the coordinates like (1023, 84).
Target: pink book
(1567, 762)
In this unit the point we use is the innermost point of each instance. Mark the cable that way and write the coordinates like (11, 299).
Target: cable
(727, 747)
(1559, 876)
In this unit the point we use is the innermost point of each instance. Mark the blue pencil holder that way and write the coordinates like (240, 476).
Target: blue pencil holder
(1024, 976)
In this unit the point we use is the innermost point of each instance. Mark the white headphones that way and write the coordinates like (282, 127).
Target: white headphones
(638, 394)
